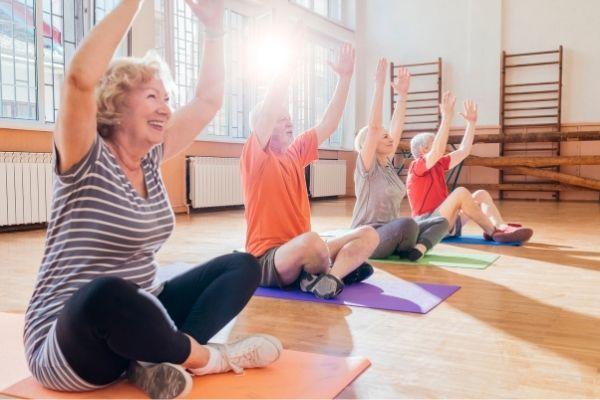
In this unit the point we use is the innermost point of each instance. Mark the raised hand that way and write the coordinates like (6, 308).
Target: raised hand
(447, 105)
(402, 82)
(345, 65)
(469, 111)
(381, 72)
(209, 12)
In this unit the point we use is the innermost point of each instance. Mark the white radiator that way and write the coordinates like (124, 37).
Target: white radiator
(215, 182)
(25, 188)
(328, 178)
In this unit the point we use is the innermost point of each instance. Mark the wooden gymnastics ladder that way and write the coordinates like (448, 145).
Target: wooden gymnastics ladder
(530, 106)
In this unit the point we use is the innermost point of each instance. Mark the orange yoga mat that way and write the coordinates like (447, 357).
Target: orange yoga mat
(295, 375)
(13, 366)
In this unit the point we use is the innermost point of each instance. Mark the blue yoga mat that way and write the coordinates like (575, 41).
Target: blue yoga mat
(478, 240)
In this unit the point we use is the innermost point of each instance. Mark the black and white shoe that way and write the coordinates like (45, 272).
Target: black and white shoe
(160, 381)
(323, 286)
(362, 272)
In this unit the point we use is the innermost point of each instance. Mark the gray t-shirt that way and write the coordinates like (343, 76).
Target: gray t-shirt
(379, 193)
(99, 226)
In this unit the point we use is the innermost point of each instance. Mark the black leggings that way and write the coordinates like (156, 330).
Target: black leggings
(109, 321)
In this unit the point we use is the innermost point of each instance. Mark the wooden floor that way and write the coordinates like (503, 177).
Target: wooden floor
(527, 327)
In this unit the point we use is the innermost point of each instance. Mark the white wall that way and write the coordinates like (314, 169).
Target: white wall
(470, 35)
(544, 25)
(465, 33)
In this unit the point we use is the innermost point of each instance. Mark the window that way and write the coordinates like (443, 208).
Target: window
(185, 52)
(22, 67)
(18, 91)
(310, 92)
(313, 87)
(328, 8)
(232, 119)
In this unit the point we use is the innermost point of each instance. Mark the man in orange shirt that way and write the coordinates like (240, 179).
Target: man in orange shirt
(276, 199)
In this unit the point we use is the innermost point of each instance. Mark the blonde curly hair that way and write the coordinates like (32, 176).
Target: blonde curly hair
(123, 75)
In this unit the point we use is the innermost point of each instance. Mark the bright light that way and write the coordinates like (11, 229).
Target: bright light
(269, 56)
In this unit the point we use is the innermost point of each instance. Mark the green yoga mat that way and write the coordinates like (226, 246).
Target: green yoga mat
(450, 260)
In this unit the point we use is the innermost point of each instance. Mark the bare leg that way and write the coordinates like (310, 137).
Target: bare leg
(198, 357)
(352, 249)
(461, 200)
(486, 203)
(304, 252)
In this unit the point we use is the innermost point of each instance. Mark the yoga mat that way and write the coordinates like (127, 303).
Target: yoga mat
(450, 260)
(322, 376)
(477, 240)
(13, 366)
(381, 293)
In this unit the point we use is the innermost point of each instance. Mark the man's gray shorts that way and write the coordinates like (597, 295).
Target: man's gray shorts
(269, 277)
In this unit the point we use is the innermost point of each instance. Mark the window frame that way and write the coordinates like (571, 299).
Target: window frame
(342, 22)
(83, 10)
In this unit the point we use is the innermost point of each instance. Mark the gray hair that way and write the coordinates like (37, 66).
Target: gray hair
(418, 142)
(359, 140)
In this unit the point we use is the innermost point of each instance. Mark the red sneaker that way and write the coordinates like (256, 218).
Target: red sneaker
(512, 234)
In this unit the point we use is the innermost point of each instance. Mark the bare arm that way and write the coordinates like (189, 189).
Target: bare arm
(470, 115)
(367, 153)
(441, 138)
(187, 122)
(344, 69)
(400, 85)
(75, 130)
(274, 100)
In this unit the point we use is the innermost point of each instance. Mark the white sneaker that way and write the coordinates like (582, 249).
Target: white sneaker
(253, 351)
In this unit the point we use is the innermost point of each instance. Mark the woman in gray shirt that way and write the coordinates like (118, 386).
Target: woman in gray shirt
(379, 190)
(97, 311)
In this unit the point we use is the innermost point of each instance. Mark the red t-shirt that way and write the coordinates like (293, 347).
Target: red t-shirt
(426, 188)
(275, 195)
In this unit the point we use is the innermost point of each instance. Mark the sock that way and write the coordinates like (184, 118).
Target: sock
(417, 252)
(214, 365)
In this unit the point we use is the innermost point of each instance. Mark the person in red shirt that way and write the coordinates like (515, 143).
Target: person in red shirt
(426, 184)
(276, 198)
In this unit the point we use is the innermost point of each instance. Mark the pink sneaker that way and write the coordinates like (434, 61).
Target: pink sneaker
(512, 234)
(490, 239)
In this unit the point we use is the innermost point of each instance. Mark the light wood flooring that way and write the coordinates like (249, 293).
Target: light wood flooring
(526, 327)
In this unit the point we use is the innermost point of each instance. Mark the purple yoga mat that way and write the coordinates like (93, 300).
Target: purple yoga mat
(382, 293)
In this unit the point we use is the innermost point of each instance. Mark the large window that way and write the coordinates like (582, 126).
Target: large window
(18, 92)
(34, 52)
(183, 52)
(313, 87)
(331, 9)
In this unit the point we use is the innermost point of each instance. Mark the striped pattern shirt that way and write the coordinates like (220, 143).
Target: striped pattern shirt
(99, 226)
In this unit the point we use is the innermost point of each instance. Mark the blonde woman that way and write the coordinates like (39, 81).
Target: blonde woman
(379, 190)
(96, 312)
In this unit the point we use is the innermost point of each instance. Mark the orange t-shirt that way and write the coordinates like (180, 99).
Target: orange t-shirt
(275, 195)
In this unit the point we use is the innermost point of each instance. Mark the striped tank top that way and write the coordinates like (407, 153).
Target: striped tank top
(99, 226)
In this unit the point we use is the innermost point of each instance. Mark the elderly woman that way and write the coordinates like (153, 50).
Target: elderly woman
(96, 311)
(379, 190)
(427, 191)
